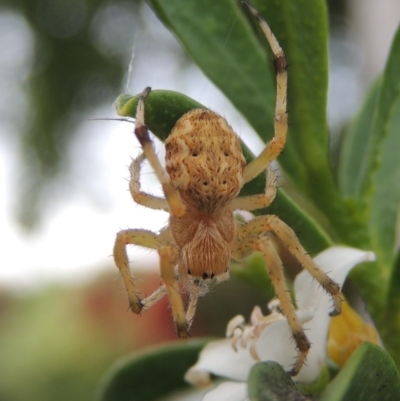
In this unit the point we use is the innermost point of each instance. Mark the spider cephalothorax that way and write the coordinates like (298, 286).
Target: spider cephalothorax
(205, 170)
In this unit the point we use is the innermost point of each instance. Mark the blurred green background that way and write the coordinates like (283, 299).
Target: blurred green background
(63, 311)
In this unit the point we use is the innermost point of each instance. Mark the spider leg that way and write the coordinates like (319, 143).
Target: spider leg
(191, 310)
(289, 239)
(168, 256)
(277, 143)
(276, 273)
(153, 298)
(176, 206)
(140, 197)
(144, 238)
(260, 201)
(262, 243)
(251, 236)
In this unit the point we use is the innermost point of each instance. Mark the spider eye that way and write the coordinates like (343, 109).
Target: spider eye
(205, 183)
(226, 154)
(195, 154)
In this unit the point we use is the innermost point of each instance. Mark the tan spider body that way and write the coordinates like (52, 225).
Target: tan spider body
(204, 160)
(205, 171)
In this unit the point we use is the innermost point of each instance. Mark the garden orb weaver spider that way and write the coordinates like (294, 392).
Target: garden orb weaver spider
(205, 171)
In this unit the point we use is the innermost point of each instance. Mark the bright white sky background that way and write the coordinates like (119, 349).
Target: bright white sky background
(75, 241)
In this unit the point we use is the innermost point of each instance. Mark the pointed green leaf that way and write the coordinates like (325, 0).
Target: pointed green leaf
(232, 54)
(388, 95)
(386, 170)
(370, 175)
(386, 200)
(355, 147)
(392, 315)
(150, 374)
(369, 375)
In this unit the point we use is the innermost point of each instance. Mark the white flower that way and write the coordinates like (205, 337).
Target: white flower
(273, 341)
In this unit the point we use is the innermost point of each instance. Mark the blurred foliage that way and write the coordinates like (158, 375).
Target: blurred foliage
(60, 342)
(79, 61)
(54, 345)
(132, 379)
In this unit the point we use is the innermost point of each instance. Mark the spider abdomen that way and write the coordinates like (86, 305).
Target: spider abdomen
(204, 160)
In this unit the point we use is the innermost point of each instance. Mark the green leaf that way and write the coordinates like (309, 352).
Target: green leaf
(255, 274)
(233, 55)
(392, 315)
(370, 175)
(369, 375)
(387, 98)
(353, 165)
(150, 374)
(382, 183)
(381, 186)
(386, 200)
(356, 145)
(301, 28)
(308, 231)
(268, 381)
(220, 40)
(386, 168)
(163, 108)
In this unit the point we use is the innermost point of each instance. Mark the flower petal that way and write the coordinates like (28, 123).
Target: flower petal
(276, 341)
(219, 358)
(228, 391)
(337, 263)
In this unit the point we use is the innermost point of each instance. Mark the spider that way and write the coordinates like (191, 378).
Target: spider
(204, 172)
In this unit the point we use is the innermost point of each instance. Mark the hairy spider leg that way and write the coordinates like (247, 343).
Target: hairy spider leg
(271, 223)
(259, 201)
(168, 256)
(144, 238)
(177, 207)
(245, 247)
(276, 273)
(140, 197)
(277, 143)
(167, 263)
(251, 237)
(191, 310)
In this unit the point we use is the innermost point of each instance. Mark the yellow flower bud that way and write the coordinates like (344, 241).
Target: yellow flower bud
(346, 332)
